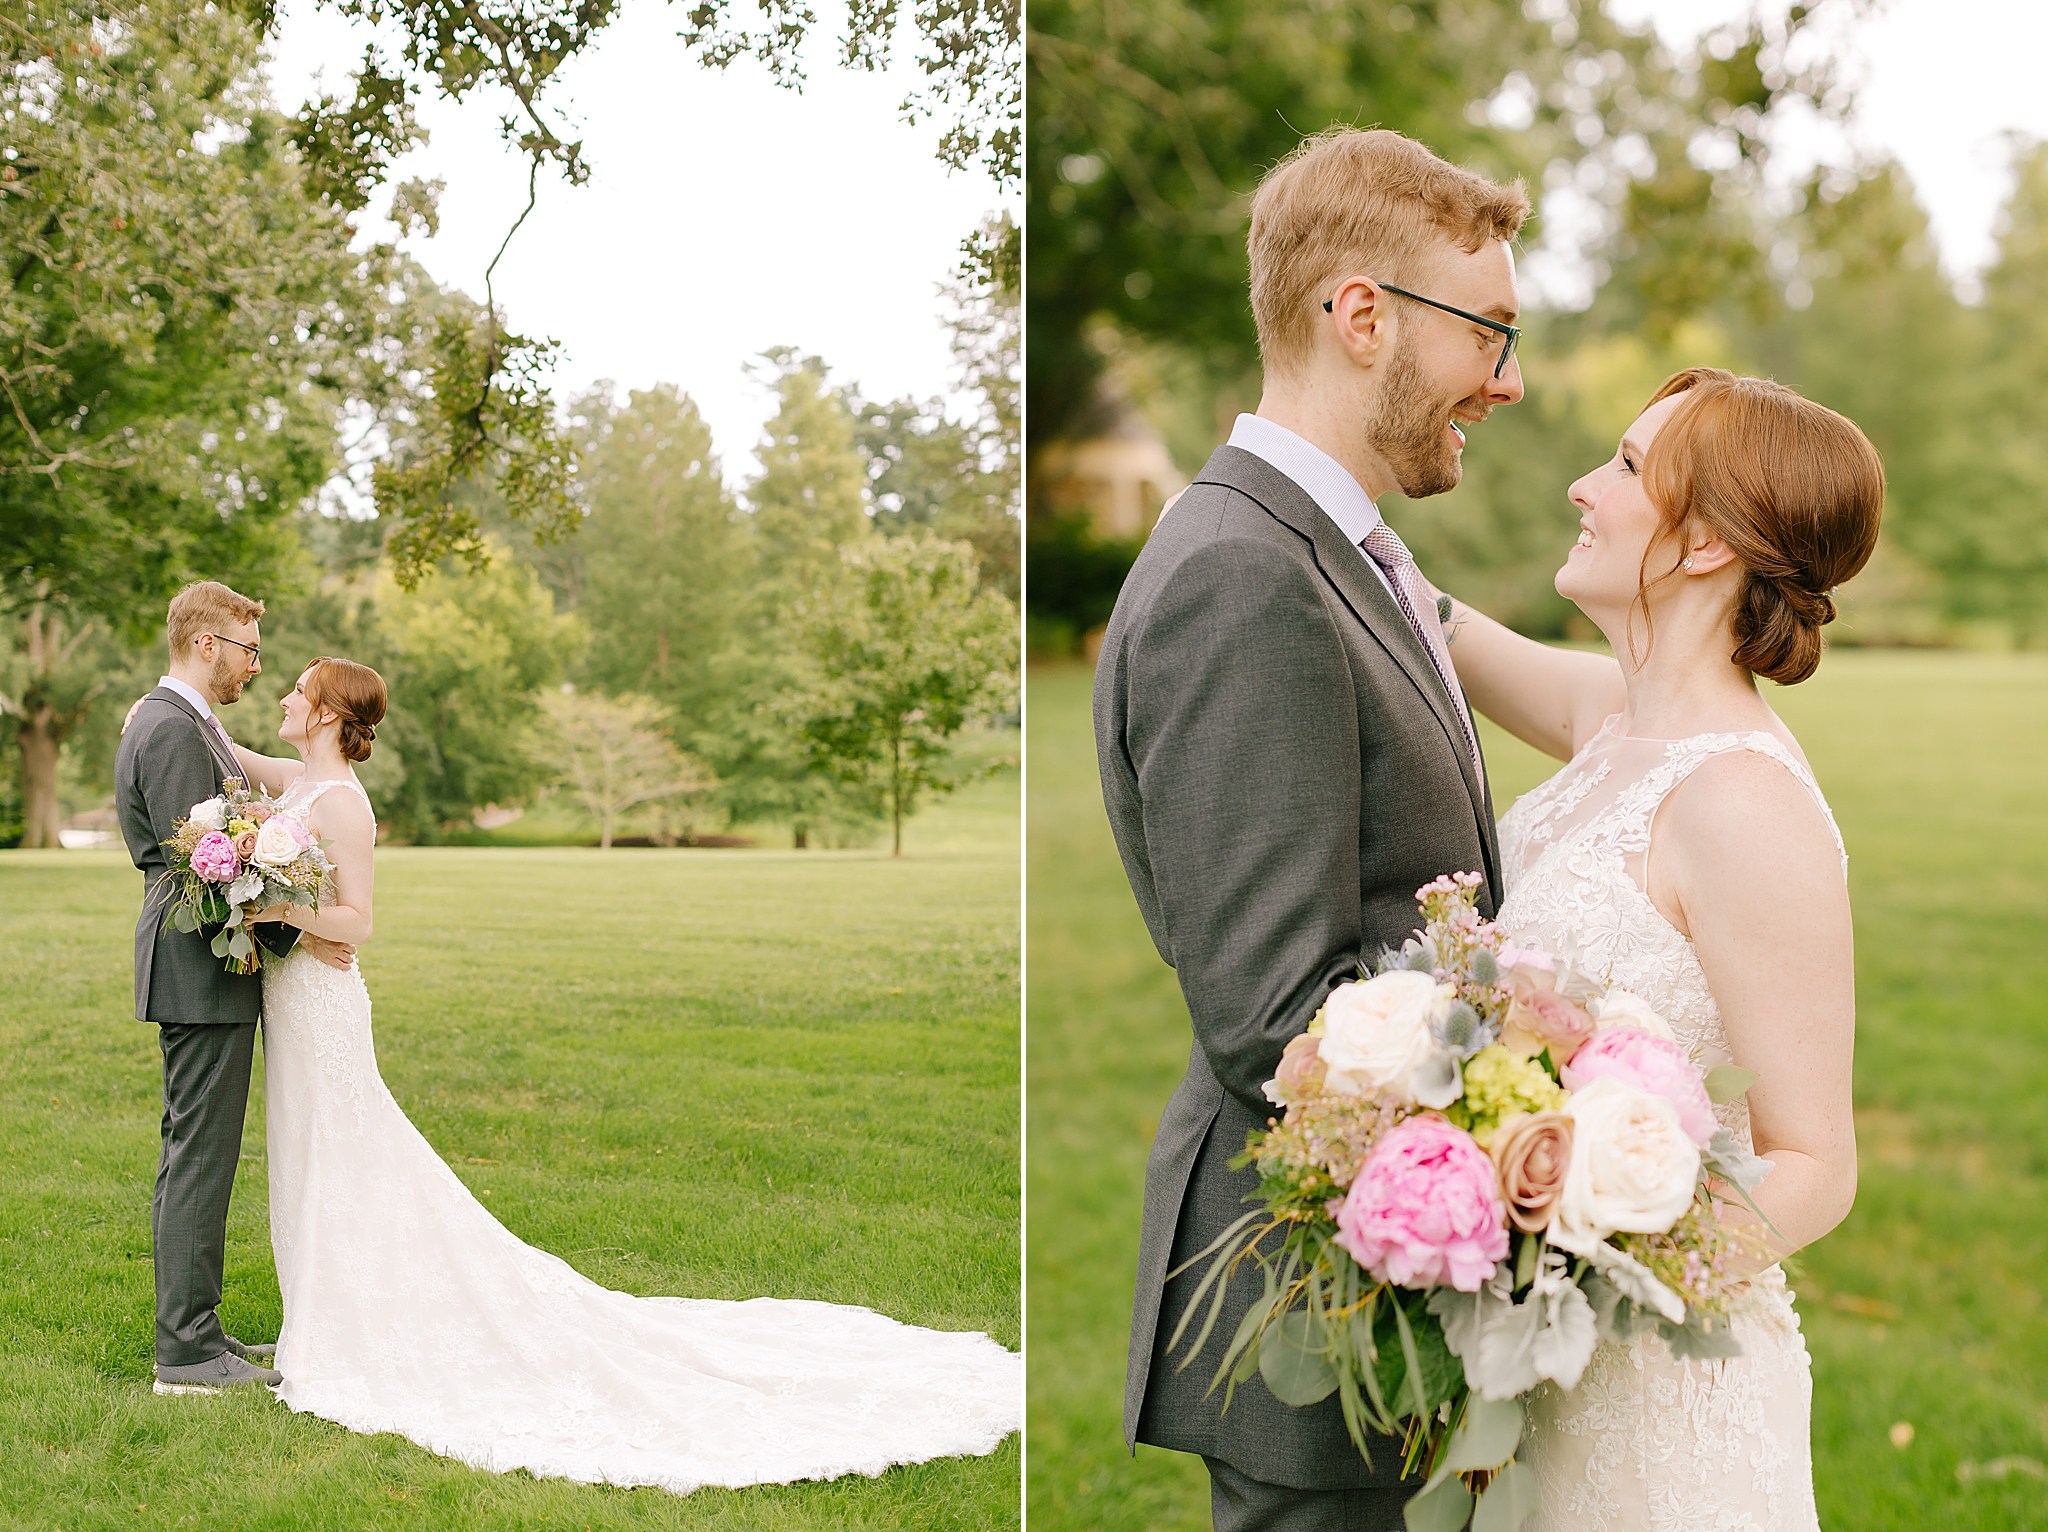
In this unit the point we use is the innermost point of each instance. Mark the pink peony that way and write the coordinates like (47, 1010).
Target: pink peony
(213, 858)
(1426, 1209)
(1649, 1063)
(299, 832)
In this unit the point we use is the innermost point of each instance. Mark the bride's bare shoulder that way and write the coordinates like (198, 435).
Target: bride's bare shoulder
(1746, 807)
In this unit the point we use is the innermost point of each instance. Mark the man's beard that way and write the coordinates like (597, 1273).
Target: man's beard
(227, 678)
(1408, 430)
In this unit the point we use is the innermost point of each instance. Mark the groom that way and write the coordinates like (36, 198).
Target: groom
(174, 754)
(1285, 753)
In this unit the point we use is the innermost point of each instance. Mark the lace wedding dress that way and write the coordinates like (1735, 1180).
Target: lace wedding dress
(1648, 1443)
(409, 1308)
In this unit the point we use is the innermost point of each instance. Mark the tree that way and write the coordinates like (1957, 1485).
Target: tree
(665, 562)
(48, 683)
(613, 755)
(960, 479)
(901, 655)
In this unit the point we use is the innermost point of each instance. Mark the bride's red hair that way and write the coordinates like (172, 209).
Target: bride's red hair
(1795, 491)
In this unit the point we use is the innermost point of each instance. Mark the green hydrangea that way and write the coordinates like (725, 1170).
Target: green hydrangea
(1499, 1083)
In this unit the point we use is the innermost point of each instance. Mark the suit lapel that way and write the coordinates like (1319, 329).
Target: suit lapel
(222, 768)
(1344, 565)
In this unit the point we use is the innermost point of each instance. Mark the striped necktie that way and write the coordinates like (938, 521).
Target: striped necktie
(220, 732)
(1384, 547)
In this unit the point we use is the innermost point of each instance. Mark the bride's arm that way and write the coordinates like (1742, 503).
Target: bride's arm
(1552, 698)
(267, 771)
(1745, 862)
(344, 821)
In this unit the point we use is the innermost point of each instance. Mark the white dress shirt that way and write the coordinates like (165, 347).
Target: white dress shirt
(1325, 480)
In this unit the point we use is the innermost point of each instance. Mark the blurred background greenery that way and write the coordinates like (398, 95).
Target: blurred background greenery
(1674, 229)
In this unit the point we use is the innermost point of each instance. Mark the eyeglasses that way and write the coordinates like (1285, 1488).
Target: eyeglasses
(255, 651)
(1509, 331)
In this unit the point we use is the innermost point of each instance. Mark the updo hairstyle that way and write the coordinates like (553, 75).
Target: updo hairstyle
(1795, 491)
(354, 694)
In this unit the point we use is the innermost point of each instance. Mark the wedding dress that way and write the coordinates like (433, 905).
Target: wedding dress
(409, 1308)
(1646, 1442)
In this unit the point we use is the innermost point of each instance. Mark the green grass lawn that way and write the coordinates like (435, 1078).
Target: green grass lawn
(715, 1074)
(1925, 1307)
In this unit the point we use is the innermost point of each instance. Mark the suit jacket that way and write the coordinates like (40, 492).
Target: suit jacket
(169, 760)
(1283, 768)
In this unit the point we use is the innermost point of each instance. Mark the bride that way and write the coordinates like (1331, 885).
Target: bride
(1687, 852)
(409, 1308)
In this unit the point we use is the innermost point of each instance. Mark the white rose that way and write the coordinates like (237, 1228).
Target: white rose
(1376, 1034)
(1633, 1168)
(210, 815)
(1622, 1008)
(276, 846)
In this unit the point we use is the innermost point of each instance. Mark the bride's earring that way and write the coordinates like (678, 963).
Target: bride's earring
(1686, 564)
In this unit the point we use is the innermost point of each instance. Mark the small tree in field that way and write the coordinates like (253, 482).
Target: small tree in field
(901, 653)
(614, 757)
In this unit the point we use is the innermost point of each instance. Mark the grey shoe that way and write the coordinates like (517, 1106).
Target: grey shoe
(224, 1372)
(261, 1352)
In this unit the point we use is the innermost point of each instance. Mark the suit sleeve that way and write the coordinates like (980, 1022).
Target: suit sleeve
(1242, 728)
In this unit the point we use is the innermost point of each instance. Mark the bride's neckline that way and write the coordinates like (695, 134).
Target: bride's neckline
(1608, 729)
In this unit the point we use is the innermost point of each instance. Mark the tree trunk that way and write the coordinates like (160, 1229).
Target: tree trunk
(606, 832)
(40, 811)
(896, 791)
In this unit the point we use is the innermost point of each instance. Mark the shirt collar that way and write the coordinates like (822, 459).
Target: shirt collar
(188, 693)
(1336, 493)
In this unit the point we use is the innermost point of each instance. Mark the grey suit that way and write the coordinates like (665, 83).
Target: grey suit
(206, 1018)
(1283, 768)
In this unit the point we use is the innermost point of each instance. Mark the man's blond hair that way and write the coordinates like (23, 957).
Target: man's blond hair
(205, 607)
(1354, 202)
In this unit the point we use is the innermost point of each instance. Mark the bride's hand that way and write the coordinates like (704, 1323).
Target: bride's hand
(334, 954)
(133, 708)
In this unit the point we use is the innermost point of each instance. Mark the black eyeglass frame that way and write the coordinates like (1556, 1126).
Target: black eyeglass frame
(1512, 333)
(254, 649)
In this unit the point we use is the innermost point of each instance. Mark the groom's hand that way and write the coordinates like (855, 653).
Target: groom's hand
(333, 954)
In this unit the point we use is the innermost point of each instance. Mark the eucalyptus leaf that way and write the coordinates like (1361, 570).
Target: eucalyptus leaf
(1295, 1368)
(1727, 1082)
(1487, 1436)
(1697, 1341)
(1442, 1507)
(1511, 1499)
(221, 943)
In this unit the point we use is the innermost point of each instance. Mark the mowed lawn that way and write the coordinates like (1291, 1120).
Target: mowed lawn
(715, 1074)
(1925, 1307)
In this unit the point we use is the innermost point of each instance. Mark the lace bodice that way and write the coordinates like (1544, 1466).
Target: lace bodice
(300, 795)
(1648, 1443)
(1575, 853)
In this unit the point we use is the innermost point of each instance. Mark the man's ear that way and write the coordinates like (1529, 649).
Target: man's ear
(1358, 319)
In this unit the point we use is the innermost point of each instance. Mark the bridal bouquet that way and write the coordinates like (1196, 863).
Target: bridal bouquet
(231, 858)
(1488, 1160)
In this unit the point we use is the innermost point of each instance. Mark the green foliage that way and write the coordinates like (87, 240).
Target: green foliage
(180, 319)
(664, 560)
(902, 653)
(613, 755)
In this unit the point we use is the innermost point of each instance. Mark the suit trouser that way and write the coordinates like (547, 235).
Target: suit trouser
(206, 1098)
(1240, 1503)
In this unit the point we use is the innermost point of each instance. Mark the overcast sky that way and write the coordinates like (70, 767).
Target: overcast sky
(1940, 83)
(724, 215)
